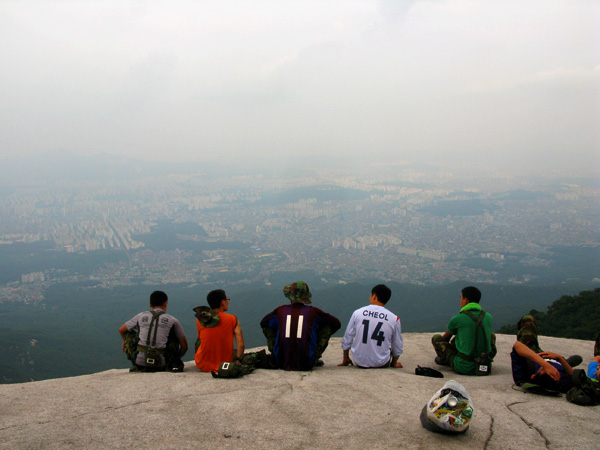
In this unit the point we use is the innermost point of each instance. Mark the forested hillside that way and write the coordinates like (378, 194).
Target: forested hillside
(571, 316)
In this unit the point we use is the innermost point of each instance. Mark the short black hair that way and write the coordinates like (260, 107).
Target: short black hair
(215, 297)
(472, 294)
(382, 292)
(158, 298)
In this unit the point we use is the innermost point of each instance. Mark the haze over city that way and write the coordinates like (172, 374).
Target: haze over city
(508, 84)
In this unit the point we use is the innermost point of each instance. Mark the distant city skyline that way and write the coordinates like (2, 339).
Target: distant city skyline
(500, 83)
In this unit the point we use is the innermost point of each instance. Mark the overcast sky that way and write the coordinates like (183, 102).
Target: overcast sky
(430, 80)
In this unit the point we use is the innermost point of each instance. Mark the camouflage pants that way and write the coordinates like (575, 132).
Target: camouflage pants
(258, 360)
(323, 335)
(271, 335)
(444, 349)
(172, 351)
(130, 343)
(447, 350)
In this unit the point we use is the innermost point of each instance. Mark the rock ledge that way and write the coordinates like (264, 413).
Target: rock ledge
(329, 408)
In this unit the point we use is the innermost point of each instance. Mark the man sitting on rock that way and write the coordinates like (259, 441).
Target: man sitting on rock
(154, 340)
(470, 327)
(297, 334)
(216, 333)
(374, 334)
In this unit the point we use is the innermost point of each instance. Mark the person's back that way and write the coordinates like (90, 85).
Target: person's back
(467, 337)
(467, 334)
(154, 340)
(374, 334)
(216, 333)
(216, 342)
(297, 334)
(163, 325)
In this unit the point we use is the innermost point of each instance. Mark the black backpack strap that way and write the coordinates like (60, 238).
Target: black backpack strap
(478, 324)
(153, 323)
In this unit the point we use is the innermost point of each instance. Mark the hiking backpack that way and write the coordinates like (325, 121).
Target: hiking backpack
(152, 354)
(483, 361)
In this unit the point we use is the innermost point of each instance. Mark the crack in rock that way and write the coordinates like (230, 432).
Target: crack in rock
(529, 424)
(490, 434)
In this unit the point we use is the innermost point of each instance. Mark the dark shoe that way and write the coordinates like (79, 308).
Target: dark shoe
(574, 360)
(319, 363)
(428, 372)
(134, 369)
(175, 366)
(440, 361)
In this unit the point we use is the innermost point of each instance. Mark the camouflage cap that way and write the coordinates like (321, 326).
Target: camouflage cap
(206, 316)
(527, 333)
(298, 292)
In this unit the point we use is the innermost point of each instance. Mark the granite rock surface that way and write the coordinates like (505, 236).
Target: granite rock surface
(329, 408)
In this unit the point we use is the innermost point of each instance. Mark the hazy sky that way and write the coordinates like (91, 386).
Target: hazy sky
(494, 80)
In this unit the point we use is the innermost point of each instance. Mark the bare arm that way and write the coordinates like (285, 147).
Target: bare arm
(239, 340)
(123, 331)
(394, 362)
(346, 361)
(184, 346)
(545, 366)
(397, 346)
(446, 336)
(560, 359)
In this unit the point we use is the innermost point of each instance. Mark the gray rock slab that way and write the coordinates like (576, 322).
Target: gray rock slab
(329, 408)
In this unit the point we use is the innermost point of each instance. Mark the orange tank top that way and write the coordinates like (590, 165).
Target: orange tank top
(216, 344)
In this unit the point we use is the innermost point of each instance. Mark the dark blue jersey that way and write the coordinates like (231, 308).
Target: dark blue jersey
(297, 327)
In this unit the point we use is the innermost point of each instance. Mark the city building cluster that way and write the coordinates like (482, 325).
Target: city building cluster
(192, 229)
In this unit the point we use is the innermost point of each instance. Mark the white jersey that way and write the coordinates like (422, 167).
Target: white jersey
(371, 333)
